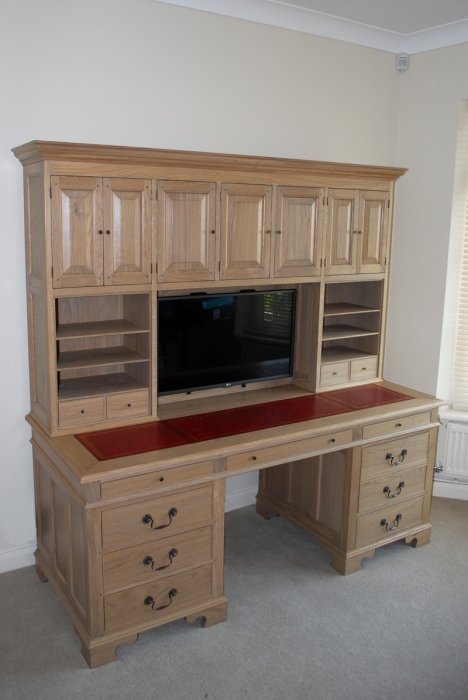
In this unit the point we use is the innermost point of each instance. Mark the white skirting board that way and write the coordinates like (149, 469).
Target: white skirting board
(450, 489)
(241, 491)
(17, 558)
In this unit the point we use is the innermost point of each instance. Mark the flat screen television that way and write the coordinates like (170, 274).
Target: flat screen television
(218, 340)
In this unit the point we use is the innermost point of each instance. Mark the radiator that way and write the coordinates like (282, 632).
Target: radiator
(456, 451)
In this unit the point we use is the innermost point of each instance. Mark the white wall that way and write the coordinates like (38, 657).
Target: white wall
(140, 73)
(431, 93)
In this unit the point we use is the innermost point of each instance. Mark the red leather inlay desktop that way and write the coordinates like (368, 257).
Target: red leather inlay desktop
(136, 439)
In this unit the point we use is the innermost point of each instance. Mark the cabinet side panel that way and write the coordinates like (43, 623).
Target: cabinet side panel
(46, 515)
(62, 532)
(78, 554)
(331, 489)
(306, 342)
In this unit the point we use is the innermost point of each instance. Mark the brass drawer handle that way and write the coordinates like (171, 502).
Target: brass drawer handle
(149, 560)
(394, 527)
(147, 519)
(388, 490)
(389, 457)
(149, 600)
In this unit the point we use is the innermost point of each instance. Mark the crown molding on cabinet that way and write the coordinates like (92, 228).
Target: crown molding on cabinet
(301, 19)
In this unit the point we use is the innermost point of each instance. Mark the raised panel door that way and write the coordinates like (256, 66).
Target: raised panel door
(298, 233)
(186, 231)
(127, 226)
(373, 225)
(245, 231)
(341, 239)
(77, 231)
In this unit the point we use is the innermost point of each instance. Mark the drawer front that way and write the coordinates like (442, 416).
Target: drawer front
(147, 482)
(334, 373)
(128, 608)
(376, 458)
(397, 425)
(81, 412)
(130, 405)
(371, 529)
(392, 489)
(289, 451)
(155, 560)
(130, 525)
(363, 369)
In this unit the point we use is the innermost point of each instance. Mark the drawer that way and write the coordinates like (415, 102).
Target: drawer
(396, 425)
(289, 451)
(363, 369)
(392, 489)
(132, 566)
(376, 459)
(129, 525)
(128, 608)
(370, 527)
(334, 373)
(146, 482)
(130, 405)
(81, 412)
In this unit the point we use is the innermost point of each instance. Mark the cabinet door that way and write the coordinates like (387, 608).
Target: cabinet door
(341, 239)
(245, 231)
(77, 231)
(373, 225)
(127, 231)
(298, 234)
(186, 231)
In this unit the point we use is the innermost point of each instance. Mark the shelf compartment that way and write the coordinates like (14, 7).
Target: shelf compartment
(343, 353)
(98, 328)
(342, 308)
(97, 385)
(340, 331)
(78, 359)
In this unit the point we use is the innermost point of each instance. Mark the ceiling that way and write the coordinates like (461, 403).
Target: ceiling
(398, 26)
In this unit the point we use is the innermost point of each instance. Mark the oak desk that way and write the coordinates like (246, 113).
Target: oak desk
(132, 542)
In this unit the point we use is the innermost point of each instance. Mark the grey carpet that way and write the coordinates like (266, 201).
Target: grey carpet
(296, 629)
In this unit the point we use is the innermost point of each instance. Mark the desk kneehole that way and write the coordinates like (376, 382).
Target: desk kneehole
(289, 451)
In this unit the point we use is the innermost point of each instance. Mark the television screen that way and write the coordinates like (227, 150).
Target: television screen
(207, 341)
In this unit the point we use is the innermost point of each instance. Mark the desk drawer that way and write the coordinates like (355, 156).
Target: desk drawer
(81, 412)
(147, 482)
(370, 528)
(130, 405)
(392, 489)
(289, 451)
(397, 425)
(363, 369)
(125, 526)
(131, 566)
(334, 373)
(375, 461)
(128, 608)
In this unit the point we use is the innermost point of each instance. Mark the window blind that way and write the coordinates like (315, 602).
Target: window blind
(460, 368)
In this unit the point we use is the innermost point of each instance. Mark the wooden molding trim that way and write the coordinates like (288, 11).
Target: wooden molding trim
(35, 151)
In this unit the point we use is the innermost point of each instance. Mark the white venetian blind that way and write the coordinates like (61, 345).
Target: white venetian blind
(460, 368)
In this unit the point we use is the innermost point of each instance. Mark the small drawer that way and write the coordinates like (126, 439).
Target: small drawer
(147, 482)
(397, 425)
(392, 489)
(151, 561)
(375, 526)
(157, 518)
(393, 455)
(363, 369)
(256, 459)
(81, 412)
(173, 594)
(130, 405)
(334, 373)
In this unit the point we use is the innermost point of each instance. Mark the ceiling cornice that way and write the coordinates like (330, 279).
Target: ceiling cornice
(277, 14)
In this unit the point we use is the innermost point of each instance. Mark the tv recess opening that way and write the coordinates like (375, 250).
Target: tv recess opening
(207, 341)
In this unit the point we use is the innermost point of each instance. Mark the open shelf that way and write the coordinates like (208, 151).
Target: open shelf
(78, 359)
(98, 328)
(338, 309)
(85, 387)
(343, 353)
(344, 331)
